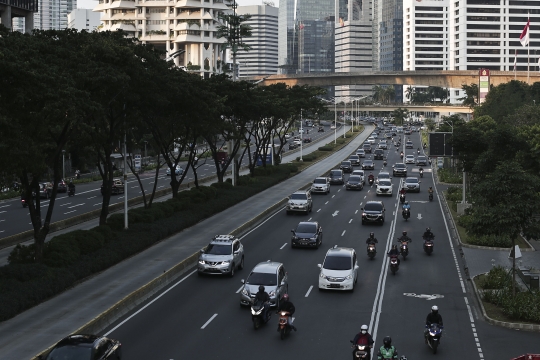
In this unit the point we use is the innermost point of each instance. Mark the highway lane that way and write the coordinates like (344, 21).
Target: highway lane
(326, 320)
(15, 219)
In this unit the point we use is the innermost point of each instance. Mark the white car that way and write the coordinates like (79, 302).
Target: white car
(384, 187)
(384, 175)
(339, 271)
(361, 153)
(332, 127)
(177, 171)
(361, 174)
(409, 159)
(321, 184)
(370, 140)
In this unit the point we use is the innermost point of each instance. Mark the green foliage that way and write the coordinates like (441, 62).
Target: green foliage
(496, 278)
(489, 240)
(449, 176)
(326, 148)
(22, 254)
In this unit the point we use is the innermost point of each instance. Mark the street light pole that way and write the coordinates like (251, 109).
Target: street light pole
(301, 135)
(63, 164)
(145, 154)
(125, 185)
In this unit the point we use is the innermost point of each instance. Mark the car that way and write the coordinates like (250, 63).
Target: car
(384, 187)
(287, 136)
(354, 182)
(45, 190)
(373, 212)
(388, 135)
(272, 276)
(368, 165)
(339, 270)
(407, 132)
(117, 187)
(346, 166)
(409, 159)
(414, 129)
(307, 140)
(332, 126)
(383, 145)
(367, 148)
(336, 177)
(409, 145)
(378, 154)
(321, 185)
(383, 175)
(321, 129)
(399, 169)
(370, 140)
(222, 256)
(297, 141)
(412, 184)
(300, 201)
(308, 234)
(178, 171)
(374, 134)
(361, 174)
(440, 163)
(62, 186)
(85, 347)
(293, 146)
(421, 160)
(361, 153)
(355, 160)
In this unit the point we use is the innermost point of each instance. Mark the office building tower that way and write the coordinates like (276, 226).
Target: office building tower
(83, 19)
(52, 14)
(391, 40)
(262, 58)
(17, 9)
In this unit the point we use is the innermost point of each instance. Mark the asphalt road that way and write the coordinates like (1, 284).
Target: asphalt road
(15, 219)
(200, 317)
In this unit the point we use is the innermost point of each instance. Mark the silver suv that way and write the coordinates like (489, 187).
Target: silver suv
(321, 184)
(223, 255)
(272, 276)
(300, 201)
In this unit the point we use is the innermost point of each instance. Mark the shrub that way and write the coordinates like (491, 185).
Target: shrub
(448, 176)
(497, 278)
(61, 251)
(490, 240)
(105, 231)
(116, 222)
(22, 254)
(326, 148)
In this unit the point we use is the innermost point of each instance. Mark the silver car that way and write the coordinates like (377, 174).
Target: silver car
(300, 201)
(412, 184)
(222, 256)
(272, 276)
(321, 185)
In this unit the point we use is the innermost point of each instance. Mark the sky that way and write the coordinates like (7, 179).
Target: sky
(90, 4)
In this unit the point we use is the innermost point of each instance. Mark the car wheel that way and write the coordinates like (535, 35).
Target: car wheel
(241, 266)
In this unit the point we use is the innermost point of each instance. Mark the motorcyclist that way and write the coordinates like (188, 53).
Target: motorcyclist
(371, 239)
(433, 318)
(418, 150)
(363, 338)
(78, 174)
(422, 172)
(401, 154)
(428, 235)
(406, 206)
(384, 161)
(394, 251)
(265, 298)
(430, 190)
(287, 305)
(71, 186)
(371, 177)
(403, 191)
(387, 351)
(404, 237)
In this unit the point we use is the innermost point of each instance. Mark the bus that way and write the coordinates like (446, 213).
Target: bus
(268, 154)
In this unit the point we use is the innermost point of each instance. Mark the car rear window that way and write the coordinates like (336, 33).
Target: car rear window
(337, 263)
(256, 278)
(306, 228)
(421, 158)
(336, 172)
(298, 196)
(373, 207)
(345, 163)
(354, 178)
(319, 181)
(219, 249)
(71, 352)
(411, 181)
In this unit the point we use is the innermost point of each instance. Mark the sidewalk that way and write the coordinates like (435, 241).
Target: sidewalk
(47, 323)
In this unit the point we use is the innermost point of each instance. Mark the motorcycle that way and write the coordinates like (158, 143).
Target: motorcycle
(430, 196)
(394, 264)
(404, 249)
(428, 246)
(284, 327)
(257, 308)
(361, 351)
(371, 251)
(406, 214)
(433, 336)
(418, 152)
(384, 162)
(421, 172)
(71, 191)
(370, 181)
(402, 198)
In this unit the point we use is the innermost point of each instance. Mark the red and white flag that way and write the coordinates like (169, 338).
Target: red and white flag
(524, 37)
(515, 60)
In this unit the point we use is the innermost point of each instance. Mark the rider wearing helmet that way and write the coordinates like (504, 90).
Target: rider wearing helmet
(265, 298)
(286, 305)
(403, 191)
(433, 318)
(430, 190)
(371, 239)
(428, 235)
(406, 205)
(394, 251)
(404, 237)
(363, 338)
(387, 350)
(371, 177)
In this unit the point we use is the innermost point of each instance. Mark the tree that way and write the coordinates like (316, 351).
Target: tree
(471, 95)
(409, 92)
(400, 115)
(430, 124)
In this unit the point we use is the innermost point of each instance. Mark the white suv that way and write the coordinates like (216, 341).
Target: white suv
(339, 271)
(321, 184)
(384, 187)
(300, 201)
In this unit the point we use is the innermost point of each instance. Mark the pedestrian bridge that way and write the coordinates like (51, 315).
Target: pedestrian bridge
(441, 78)
(442, 109)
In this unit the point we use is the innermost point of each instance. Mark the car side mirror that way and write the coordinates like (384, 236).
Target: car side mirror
(292, 231)
(356, 267)
(319, 266)
(243, 281)
(202, 251)
(361, 208)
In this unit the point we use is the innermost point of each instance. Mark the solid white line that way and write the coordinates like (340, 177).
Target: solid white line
(309, 290)
(350, 221)
(343, 233)
(318, 210)
(70, 207)
(91, 197)
(208, 322)
(69, 212)
(283, 246)
(241, 287)
(150, 303)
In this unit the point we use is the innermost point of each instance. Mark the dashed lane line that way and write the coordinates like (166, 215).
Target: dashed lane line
(309, 290)
(208, 322)
(281, 248)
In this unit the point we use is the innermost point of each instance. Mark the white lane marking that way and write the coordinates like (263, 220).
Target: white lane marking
(343, 233)
(121, 197)
(209, 321)
(63, 204)
(241, 287)
(361, 204)
(5, 206)
(91, 197)
(309, 219)
(336, 212)
(150, 303)
(71, 207)
(365, 196)
(318, 210)
(356, 212)
(47, 205)
(160, 186)
(393, 213)
(133, 187)
(333, 196)
(281, 248)
(69, 212)
(151, 182)
(2, 231)
(338, 190)
(97, 204)
(471, 318)
(326, 203)
(2, 220)
(350, 221)
(268, 260)
(309, 290)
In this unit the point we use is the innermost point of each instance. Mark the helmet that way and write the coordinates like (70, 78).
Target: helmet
(404, 233)
(406, 203)
(285, 297)
(261, 288)
(387, 341)
(428, 229)
(435, 309)
(371, 235)
(363, 329)
(394, 247)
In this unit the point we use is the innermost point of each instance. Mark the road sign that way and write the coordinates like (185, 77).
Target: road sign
(439, 144)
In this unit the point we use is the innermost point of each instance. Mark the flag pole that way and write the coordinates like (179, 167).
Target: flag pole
(528, 46)
(515, 64)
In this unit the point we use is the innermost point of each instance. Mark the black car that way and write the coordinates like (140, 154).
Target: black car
(307, 140)
(400, 169)
(89, 347)
(378, 154)
(336, 177)
(346, 166)
(62, 186)
(355, 160)
(354, 183)
(292, 146)
(116, 189)
(321, 129)
(368, 165)
(373, 212)
(308, 234)
(367, 148)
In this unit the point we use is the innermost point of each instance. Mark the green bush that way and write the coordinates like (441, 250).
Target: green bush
(490, 240)
(497, 278)
(116, 222)
(449, 176)
(326, 148)
(105, 231)
(22, 254)
(61, 251)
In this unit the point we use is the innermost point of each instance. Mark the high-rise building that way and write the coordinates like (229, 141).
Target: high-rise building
(262, 58)
(83, 19)
(17, 9)
(52, 14)
(184, 29)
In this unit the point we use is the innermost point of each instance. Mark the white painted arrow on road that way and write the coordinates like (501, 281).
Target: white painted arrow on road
(335, 213)
(424, 296)
(419, 216)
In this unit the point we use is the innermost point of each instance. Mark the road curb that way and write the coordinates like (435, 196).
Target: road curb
(509, 325)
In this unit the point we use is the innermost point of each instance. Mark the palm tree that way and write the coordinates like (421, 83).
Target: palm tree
(378, 93)
(389, 94)
(409, 93)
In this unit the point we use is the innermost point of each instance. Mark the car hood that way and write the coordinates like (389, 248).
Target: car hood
(252, 289)
(297, 202)
(304, 235)
(336, 273)
(215, 258)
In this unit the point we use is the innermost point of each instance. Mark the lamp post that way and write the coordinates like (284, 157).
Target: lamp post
(301, 135)
(145, 154)
(63, 164)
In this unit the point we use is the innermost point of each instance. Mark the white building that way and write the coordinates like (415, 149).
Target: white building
(185, 29)
(52, 14)
(262, 58)
(83, 19)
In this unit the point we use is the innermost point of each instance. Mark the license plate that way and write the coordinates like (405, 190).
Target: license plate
(334, 286)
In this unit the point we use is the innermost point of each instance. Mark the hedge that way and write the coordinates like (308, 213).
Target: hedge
(74, 256)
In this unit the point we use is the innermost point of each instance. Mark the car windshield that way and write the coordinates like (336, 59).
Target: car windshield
(354, 178)
(410, 157)
(336, 173)
(346, 163)
(337, 263)
(384, 176)
(256, 278)
(423, 158)
(218, 249)
(411, 181)
(368, 162)
(319, 181)
(400, 166)
(298, 197)
(385, 183)
(373, 207)
(306, 228)
(71, 352)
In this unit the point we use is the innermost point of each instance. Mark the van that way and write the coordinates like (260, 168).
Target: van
(367, 148)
